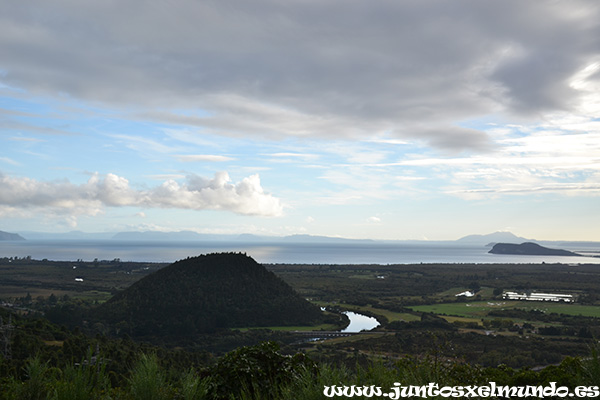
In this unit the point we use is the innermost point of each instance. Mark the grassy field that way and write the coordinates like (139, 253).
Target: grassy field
(8, 292)
(451, 319)
(480, 309)
(99, 280)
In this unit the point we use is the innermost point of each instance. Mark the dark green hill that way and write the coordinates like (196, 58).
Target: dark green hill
(529, 248)
(204, 294)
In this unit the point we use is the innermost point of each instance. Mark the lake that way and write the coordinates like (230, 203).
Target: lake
(271, 253)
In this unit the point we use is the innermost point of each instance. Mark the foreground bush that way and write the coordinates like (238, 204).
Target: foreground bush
(262, 372)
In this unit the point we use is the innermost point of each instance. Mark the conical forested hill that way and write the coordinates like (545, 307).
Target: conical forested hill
(206, 293)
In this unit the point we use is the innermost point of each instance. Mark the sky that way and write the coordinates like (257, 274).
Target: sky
(378, 119)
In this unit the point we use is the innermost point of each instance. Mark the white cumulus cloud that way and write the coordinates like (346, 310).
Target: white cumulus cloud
(246, 197)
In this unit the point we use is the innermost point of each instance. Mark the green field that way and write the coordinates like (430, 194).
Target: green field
(481, 308)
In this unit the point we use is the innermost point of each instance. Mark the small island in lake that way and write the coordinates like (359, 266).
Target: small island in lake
(529, 248)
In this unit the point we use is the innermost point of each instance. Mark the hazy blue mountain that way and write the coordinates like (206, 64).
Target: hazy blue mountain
(492, 238)
(190, 236)
(10, 236)
(245, 237)
(249, 237)
(72, 235)
(169, 236)
(321, 239)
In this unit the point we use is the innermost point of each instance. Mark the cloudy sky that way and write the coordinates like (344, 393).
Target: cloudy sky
(377, 119)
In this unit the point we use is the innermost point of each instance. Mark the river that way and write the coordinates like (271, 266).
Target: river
(359, 322)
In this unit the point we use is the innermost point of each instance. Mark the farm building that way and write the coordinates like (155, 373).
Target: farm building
(567, 298)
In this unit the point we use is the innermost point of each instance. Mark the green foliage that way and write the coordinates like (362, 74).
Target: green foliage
(36, 384)
(148, 381)
(193, 387)
(262, 372)
(309, 386)
(82, 382)
(591, 366)
(259, 370)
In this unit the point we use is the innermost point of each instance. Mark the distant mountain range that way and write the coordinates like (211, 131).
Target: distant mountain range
(492, 238)
(248, 237)
(245, 237)
(488, 240)
(169, 236)
(10, 236)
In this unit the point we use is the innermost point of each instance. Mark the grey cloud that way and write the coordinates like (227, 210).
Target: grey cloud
(456, 139)
(7, 123)
(595, 77)
(342, 68)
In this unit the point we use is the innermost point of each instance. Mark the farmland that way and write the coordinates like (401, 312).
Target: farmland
(481, 309)
(413, 303)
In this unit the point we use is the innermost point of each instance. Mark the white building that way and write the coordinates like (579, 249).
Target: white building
(468, 293)
(567, 298)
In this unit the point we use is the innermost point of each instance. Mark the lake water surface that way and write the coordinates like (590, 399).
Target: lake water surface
(271, 253)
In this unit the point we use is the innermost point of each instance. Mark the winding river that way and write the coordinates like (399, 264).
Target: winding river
(359, 322)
